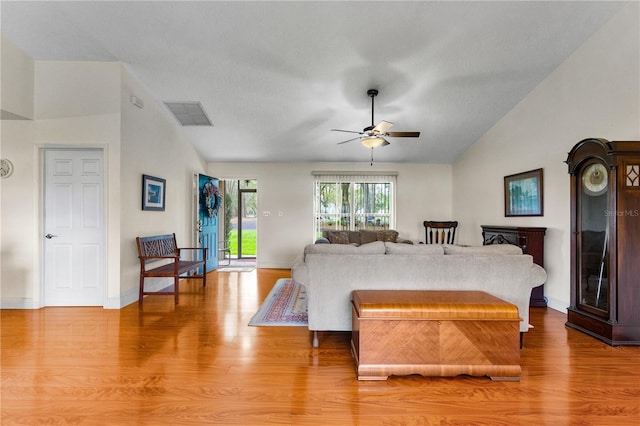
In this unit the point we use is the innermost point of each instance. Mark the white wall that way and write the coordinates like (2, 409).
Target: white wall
(70, 118)
(87, 104)
(77, 104)
(424, 192)
(16, 86)
(594, 93)
(151, 146)
(18, 271)
(16, 136)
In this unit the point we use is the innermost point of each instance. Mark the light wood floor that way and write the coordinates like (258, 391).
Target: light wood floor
(199, 363)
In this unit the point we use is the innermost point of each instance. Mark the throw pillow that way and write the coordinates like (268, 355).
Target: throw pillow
(368, 237)
(388, 235)
(338, 237)
(354, 237)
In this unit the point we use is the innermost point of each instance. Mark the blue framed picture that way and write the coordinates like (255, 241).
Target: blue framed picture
(153, 193)
(523, 194)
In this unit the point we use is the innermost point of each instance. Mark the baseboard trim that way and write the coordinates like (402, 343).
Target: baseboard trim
(557, 305)
(18, 303)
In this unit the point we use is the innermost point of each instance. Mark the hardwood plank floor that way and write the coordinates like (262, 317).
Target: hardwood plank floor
(199, 363)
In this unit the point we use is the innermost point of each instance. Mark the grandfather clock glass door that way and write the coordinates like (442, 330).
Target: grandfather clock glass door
(593, 291)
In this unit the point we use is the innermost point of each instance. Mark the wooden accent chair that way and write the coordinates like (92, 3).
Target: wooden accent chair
(440, 232)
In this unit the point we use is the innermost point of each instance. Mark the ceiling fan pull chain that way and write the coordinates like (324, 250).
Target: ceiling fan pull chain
(372, 156)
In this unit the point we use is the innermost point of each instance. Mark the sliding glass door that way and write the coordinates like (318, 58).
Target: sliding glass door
(241, 224)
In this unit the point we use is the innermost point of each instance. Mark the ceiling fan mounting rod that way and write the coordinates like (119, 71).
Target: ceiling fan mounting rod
(372, 94)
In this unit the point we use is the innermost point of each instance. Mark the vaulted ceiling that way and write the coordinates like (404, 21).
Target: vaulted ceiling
(275, 77)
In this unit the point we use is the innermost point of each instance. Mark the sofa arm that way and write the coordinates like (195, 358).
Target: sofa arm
(300, 272)
(538, 275)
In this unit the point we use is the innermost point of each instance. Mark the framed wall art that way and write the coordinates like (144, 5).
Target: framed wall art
(153, 193)
(523, 194)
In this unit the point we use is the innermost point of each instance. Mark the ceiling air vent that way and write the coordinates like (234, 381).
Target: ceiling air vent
(189, 113)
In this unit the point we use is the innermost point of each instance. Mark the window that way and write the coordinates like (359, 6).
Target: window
(352, 202)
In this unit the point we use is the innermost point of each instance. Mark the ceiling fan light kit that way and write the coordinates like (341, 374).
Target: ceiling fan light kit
(373, 141)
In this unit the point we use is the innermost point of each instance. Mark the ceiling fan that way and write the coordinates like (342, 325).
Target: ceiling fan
(374, 136)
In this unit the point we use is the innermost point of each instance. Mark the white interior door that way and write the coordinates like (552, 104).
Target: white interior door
(73, 238)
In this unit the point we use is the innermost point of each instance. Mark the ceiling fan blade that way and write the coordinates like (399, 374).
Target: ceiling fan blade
(403, 134)
(385, 143)
(348, 140)
(383, 126)
(346, 131)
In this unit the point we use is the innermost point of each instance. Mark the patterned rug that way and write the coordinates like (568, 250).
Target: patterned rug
(286, 305)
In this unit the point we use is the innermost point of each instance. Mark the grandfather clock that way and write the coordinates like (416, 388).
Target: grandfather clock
(605, 240)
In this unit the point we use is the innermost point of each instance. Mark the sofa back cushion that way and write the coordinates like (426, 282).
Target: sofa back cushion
(377, 247)
(410, 249)
(488, 249)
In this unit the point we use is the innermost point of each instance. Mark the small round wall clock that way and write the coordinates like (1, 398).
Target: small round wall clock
(595, 179)
(6, 168)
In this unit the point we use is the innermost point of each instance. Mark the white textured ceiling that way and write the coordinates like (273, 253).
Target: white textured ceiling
(275, 77)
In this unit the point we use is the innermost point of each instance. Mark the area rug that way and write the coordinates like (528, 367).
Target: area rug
(286, 305)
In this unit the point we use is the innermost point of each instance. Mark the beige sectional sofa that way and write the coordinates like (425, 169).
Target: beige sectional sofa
(330, 272)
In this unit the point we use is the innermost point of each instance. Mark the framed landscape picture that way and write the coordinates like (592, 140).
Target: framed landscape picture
(523, 194)
(153, 193)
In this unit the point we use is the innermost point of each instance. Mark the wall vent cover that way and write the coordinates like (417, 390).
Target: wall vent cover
(189, 113)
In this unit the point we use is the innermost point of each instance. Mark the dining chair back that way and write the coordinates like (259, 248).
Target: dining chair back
(440, 232)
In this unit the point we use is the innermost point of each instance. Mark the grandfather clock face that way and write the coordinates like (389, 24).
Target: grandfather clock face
(595, 179)
(593, 201)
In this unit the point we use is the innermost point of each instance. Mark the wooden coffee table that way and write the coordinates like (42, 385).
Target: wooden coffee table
(434, 333)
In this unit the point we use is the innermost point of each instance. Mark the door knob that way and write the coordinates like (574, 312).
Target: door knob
(50, 236)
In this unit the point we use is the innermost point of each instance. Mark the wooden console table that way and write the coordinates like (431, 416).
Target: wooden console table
(530, 240)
